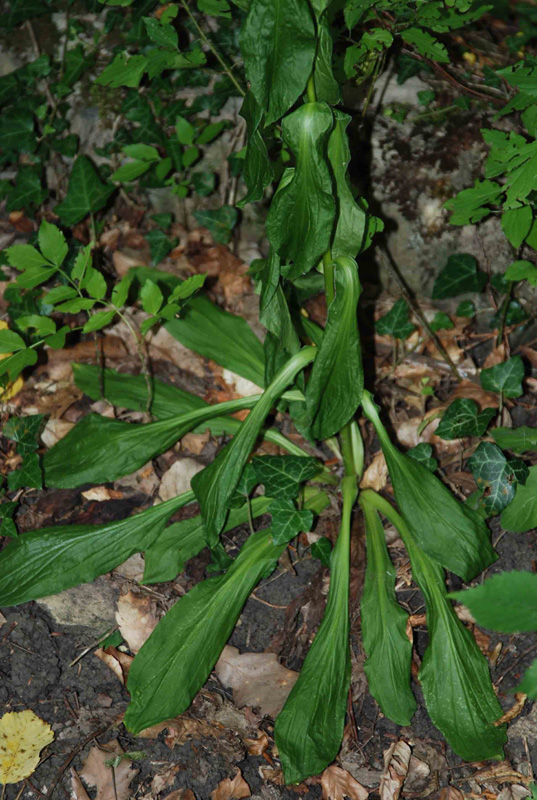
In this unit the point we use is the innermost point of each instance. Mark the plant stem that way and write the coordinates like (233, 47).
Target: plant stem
(213, 50)
(329, 274)
(503, 315)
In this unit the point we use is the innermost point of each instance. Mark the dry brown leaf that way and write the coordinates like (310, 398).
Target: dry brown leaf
(164, 779)
(418, 776)
(529, 354)
(501, 773)
(177, 479)
(396, 764)
(450, 793)
(496, 356)
(54, 430)
(137, 618)
(257, 679)
(123, 262)
(180, 729)
(195, 442)
(337, 783)
(515, 710)
(473, 391)
(514, 792)
(77, 787)
(118, 662)
(100, 494)
(3, 620)
(231, 789)
(256, 747)
(181, 794)
(376, 475)
(111, 784)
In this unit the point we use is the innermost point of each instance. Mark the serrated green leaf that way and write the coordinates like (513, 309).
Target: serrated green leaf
(337, 371)
(278, 63)
(41, 325)
(124, 70)
(522, 270)
(463, 418)
(98, 321)
(288, 521)
(282, 475)
(494, 475)
(164, 35)
(48, 561)
(52, 243)
(425, 44)
(86, 193)
(505, 377)
(521, 514)
(506, 602)
(24, 256)
(178, 657)
(301, 216)
(11, 342)
(94, 283)
(217, 8)
(470, 205)
(387, 647)
(460, 275)
(396, 323)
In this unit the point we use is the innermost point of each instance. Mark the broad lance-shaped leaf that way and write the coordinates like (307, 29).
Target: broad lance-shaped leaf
(300, 220)
(279, 62)
(130, 391)
(178, 657)
(48, 561)
(221, 336)
(326, 86)
(165, 558)
(334, 390)
(215, 485)
(99, 449)
(351, 219)
(309, 729)
(257, 170)
(448, 531)
(454, 674)
(506, 602)
(518, 439)
(520, 515)
(388, 648)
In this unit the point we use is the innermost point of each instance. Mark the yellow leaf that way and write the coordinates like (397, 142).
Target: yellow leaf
(22, 737)
(13, 388)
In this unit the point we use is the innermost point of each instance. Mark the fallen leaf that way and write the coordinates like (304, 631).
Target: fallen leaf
(54, 430)
(163, 780)
(195, 442)
(77, 787)
(515, 710)
(256, 747)
(514, 792)
(100, 494)
(337, 783)
(376, 475)
(3, 620)
(450, 793)
(473, 391)
(229, 789)
(132, 569)
(180, 794)
(177, 479)
(181, 729)
(501, 773)
(418, 776)
(22, 737)
(257, 679)
(137, 618)
(118, 662)
(396, 764)
(112, 783)
(123, 262)
(496, 356)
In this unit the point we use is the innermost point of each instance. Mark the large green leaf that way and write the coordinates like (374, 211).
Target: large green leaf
(48, 561)
(257, 170)
(518, 439)
(351, 219)
(99, 449)
(448, 531)
(521, 514)
(215, 485)
(337, 371)
(326, 86)
(278, 47)
(506, 602)
(388, 648)
(17, 131)
(86, 193)
(221, 336)
(309, 729)
(300, 220)
(454, 674)
(165, 558)
(178, 657)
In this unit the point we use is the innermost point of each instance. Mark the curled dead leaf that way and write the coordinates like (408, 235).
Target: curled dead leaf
(396, 764)
(118, 662)
(337, 783)
(231, 789)
(112, 783)
(257, 747)
(137, 618)
(376, 475)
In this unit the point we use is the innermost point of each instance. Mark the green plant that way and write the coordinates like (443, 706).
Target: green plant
(316, 229)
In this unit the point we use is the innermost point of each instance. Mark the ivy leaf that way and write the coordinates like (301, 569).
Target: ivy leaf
(425, 44)
(282, 475)
(460, 275)
(159, 245)
(387, 647)
(350, 229)
(465, 309)
(288, 521)
(219, 222)
(86, 193)
(321, 549)
(301, 216)
(52, 243)
(463, 418)
(470, 205)
(27, 191)
(396, 323)
(422, 453)
(278, 63)
(337, 371)
(25, 432)
(505, 377)
(518, 439)
(178, 657)
(441, 322)
(17, 131)
(520, 515)
(506, 602)
(522, 270)
(494, 475)
(50, 560)
(29, 474)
